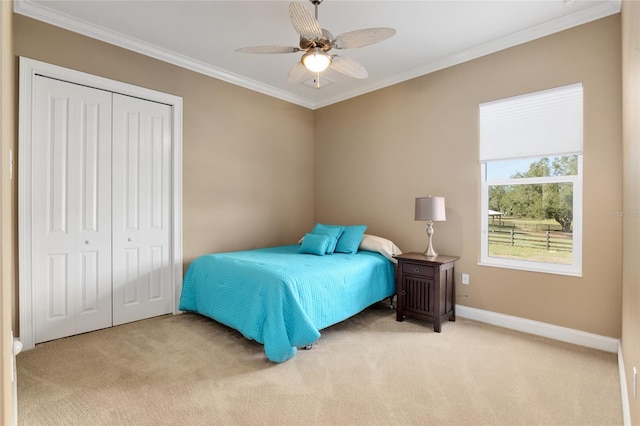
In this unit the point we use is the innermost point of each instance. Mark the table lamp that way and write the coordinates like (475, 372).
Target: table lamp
(430, 209)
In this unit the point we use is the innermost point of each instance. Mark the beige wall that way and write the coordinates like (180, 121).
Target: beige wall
(7, 232)
(631, 195)
(377, 152)
(247, 157)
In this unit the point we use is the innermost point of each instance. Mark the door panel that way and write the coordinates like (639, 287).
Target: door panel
(89, 299)
(141, 209)
(71, 214)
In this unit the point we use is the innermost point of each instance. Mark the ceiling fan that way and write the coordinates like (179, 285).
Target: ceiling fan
(316, 42)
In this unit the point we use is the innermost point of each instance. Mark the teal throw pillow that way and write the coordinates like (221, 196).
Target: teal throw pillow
(333, 232)
(350, 239)
(314, 244)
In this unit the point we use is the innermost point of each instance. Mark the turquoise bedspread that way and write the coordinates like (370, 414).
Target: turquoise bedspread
(282, 298)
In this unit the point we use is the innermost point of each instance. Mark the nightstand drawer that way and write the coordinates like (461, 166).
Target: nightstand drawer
(418, 269)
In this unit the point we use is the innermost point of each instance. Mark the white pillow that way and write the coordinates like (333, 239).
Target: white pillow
(381, 245)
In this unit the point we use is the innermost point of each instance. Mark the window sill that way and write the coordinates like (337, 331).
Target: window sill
(533, 268)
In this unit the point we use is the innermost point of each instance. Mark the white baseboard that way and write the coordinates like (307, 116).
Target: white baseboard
(16, 347)
(569, 335)
(624, 391)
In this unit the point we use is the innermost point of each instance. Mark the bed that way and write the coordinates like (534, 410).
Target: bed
(282, 297)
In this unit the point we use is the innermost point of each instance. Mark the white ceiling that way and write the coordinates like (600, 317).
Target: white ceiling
(203, 35)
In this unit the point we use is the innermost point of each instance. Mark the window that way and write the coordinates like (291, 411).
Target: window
(531, 174)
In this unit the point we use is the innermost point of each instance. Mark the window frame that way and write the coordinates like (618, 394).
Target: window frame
(573, 269)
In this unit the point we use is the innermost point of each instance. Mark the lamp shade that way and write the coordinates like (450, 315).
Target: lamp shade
(430, 208)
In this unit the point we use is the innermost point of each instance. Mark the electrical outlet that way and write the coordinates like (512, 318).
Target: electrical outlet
(465, 279)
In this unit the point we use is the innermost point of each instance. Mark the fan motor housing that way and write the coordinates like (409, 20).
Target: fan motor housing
(325, 42)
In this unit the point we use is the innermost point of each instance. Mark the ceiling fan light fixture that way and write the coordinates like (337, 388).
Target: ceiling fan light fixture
(316, 41)
(316, 60)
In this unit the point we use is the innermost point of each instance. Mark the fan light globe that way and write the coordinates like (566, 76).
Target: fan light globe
(316, 60)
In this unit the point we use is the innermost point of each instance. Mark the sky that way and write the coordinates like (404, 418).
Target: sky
(507, 168)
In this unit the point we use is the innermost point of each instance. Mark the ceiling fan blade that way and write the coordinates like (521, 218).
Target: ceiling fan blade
(298, 73)
(268, 49)
(304, 23)
(348, 66)
(361, 38)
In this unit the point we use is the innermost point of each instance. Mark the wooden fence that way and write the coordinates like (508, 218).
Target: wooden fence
(549, 240)
(539, 227)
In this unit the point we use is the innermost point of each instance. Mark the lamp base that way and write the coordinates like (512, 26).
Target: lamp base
(430, 252)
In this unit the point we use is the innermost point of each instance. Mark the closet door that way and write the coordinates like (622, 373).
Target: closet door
(141, 209)
(71, 209)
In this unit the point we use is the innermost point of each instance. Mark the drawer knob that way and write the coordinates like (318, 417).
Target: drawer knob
(417, 269)
(404, 293)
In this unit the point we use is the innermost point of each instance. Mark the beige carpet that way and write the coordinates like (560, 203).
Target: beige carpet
(370, 369)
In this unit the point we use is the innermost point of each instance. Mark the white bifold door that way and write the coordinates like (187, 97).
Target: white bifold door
(100, 196)
(140, 209)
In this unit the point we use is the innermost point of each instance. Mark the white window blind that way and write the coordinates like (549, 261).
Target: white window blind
(537, 124)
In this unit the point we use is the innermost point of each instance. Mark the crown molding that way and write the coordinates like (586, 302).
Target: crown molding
(41, 13)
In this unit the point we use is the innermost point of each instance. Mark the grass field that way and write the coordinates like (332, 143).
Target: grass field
(522, 249)
(530, 253)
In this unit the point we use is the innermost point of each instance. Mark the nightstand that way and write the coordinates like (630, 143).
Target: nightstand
(425, 288)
